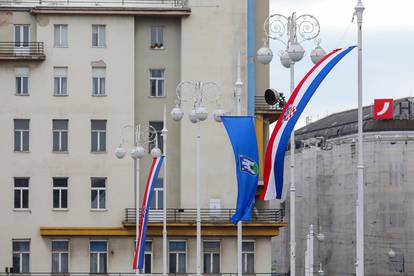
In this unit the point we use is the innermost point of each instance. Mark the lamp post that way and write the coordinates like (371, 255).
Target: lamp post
(142, 136)
(198, 113)
(298, 29)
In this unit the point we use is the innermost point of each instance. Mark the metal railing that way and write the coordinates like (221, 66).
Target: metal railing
(97, 3)
(132, 274)
(262, 106)
(22, 50)
(211, 216)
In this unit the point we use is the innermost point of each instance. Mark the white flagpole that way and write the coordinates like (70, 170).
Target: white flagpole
(292, 186)
(136, 180)
(164, 219)
(238, 92)
(359, 264)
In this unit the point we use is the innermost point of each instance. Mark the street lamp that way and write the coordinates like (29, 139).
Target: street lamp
(142, 136)
(200, 98)
(298, 29)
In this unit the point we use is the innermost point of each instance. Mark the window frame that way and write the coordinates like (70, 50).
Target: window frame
(21, 189)
(60, 44)
(60, 133)
(99, 80)
(98, 189)
(20, 253)
(21, 43)
(21, 132)
(244, 257)
(60, 81)
(60, 255)
(211, 257)
(59, 189)
(99, 34)
(98, 259)
(157, 79)
(151, 45)
(98, 137)
(177, 259)
(20, 79)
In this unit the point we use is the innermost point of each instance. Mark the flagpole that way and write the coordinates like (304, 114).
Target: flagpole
(198, 180)
(359, 264)
(292, 185)
(136, 180)
(238, 92)
(164, 219)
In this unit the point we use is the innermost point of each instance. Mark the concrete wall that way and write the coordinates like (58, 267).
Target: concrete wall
(326, 194)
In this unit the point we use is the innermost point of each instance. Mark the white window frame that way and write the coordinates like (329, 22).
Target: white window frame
(21, 189)
(97, 189)
(60, 79)
(156, 197)
(151, 256)
(22, 73)
(98, 137)
(60, 44)
(211, 257)
(99, 28)
(60, 255)
(21, 254)
(101, 91)
(60, 193)
(21, 43)
(20, 133)
(98, 259)
(244, 257)
(157, 79)
(176, 258)
(60, 133)
(157, 38)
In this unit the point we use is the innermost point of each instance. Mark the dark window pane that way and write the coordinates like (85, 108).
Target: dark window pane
(64, 142)
(60, 182)
(248, 246)
(25, 198)
(60, 245)
(25, 85)
(102, 141)
(181, 263)
(98, 246)
(98, 124)
(55, 262)
(18, 86)
(147, 263)
(65, 263)
(98, 182)
(17, 199)
(17, 34)
(250, 263)
(94, 263)
(25, 141)
(95, 86)
(94, 142)
(56, 199)
(94, 199)
(56, 86)
(102, 263)
(60, 124)
(216, 263)
(102, 86)
(21, 246)
(177, 246)
(102, 199)
(64, 88)
(21, 182)
(21, 124)
(16, 263)
(148, 246)
(207, 263)
(160, 88)
(17, 145)
(64, 198)
(55, 141)
(153, 88)
(173, 263)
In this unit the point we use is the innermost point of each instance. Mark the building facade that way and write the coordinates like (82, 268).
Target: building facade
(326, 173)
(74, 75)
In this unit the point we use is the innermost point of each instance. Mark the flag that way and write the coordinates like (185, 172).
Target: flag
(242, 134)
(143, 219)
(275, 153)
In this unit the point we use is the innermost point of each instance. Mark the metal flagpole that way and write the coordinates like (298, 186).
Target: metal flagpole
(311, 236)
(164, 219)
(238, 92)
(136, 180)
(292, 186)
(359, 265)
(198, 180)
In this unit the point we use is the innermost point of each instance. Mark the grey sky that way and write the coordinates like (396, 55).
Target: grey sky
(388, 61)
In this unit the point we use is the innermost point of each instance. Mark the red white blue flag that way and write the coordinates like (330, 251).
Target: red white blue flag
(143, 219)
(275, 153)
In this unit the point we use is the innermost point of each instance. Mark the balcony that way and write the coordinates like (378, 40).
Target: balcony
(168, 4)
(22, 51)
(269, 112)
(208, 216)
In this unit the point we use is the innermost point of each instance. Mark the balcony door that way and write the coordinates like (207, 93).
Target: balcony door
(21, 39)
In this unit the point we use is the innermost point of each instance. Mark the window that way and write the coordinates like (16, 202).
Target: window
(98, 135)
(178, 256)
(21, 35)
(21, 135)
(60, 193)
(157, 37)
(158, 126)
(98, 81)
(61, 36)
(157, 82)
(248, 257)
(22, 80)
(211, 256)
(60, 81)
(98, 256)
(98, 36)
(98, 193)
(157, 202)
(21, 256)
(21, 193)
(60, 256)
(148, 257)
(60, 135)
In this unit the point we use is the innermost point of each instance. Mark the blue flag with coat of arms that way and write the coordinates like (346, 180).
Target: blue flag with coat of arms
(242, 134)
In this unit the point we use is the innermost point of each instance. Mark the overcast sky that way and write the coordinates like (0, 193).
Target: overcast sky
(388, 37)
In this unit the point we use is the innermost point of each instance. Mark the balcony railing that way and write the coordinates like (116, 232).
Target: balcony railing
(22, 51)
(132, 274)
(97, 3)
(211, 216)
(262, 107)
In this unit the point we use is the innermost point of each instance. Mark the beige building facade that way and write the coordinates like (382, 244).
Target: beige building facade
(72, 77)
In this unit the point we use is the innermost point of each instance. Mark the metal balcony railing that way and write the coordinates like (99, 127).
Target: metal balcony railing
(262, 107)
(211, 216)
(22, 50)
(97, 3)
(132, 274)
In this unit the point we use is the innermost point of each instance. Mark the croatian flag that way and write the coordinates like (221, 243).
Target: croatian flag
(275, 153)
(143, 219)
